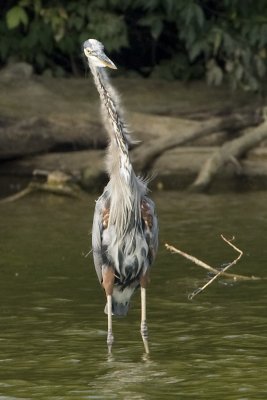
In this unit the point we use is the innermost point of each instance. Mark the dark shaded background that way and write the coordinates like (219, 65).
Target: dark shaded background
(171, 39)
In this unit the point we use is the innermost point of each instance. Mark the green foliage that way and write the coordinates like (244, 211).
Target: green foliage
(49, 34)
(225, 40)
(15, 16)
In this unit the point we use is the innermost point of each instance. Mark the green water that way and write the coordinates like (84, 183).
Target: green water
(53, 329)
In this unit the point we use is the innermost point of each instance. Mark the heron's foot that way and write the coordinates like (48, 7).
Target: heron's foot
(110, 340)
(144, 334)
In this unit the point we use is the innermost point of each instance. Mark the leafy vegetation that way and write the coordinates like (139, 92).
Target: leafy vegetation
(184, 39)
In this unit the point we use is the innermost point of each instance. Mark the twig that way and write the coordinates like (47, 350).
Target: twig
(199, 290)
(208, 267)
(211, 269)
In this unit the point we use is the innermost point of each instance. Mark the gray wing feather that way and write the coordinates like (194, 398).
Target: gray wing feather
(97, 233)
(152, 234)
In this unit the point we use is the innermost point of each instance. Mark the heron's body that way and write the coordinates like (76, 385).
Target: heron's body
(130, 255)
(125, 230)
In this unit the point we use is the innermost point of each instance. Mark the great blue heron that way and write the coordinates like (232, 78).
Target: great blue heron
(125, 228)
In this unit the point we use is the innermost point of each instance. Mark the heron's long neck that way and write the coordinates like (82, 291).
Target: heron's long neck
(124, 188)
(118, 162)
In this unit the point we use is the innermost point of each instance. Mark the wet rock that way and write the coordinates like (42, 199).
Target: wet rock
(15, 72)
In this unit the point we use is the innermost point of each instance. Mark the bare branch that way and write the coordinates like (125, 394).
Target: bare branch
(211, 269)
(192, 295)
(191, 258)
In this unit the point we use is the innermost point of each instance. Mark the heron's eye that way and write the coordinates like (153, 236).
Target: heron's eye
(88, 52)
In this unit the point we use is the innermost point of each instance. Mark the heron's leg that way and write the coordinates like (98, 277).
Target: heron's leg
(108, 282)
(110, 337)
(144, 330)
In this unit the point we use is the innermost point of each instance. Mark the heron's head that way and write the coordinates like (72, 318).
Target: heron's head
(94, 51)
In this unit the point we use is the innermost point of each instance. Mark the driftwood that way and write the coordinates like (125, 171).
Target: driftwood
(144, 156)
(56, 182)
(34, 187)
(231, 151)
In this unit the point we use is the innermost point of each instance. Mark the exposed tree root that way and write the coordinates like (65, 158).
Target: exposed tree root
(229, 152)
(144, 156)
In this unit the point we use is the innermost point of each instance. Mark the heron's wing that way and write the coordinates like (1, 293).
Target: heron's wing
(150, 228)
(97, 236)
(154, 234)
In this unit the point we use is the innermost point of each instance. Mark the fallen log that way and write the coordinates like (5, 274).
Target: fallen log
(37, 135)
(42, 134)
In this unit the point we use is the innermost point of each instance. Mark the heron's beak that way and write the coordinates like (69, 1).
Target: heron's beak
(99, 58)
(103, 59)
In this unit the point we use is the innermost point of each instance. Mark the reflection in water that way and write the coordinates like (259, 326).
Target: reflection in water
(53, 330)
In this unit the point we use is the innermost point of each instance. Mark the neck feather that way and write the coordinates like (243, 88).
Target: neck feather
(118, 161)
(125, 188)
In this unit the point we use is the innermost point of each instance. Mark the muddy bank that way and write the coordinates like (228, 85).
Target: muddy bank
(54, 125)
